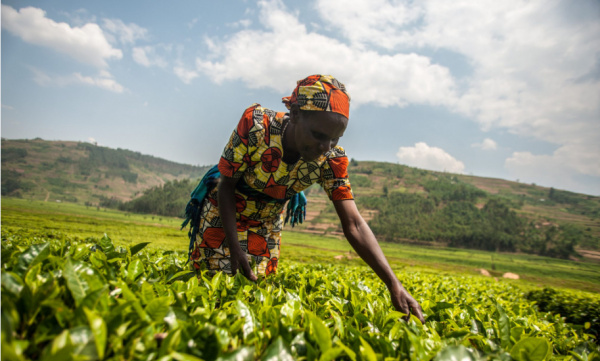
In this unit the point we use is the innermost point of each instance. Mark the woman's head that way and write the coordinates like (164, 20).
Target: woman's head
(320, 93)
(319, 109)
(315, 132)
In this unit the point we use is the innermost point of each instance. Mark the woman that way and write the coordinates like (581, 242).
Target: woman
(269, 158)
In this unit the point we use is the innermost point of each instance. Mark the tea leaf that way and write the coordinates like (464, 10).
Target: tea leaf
(98, 328)
(277, 351)
(531, 349)
(36, 253)
(138, 247)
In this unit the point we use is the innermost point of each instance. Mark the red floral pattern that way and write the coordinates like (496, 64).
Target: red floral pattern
(254, 154)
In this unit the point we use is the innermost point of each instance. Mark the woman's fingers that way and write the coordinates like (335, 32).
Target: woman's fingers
(406, 304)
(416, 310)
(247, 270)
(240, 261)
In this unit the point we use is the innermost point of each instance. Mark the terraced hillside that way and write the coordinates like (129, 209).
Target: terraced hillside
(377, 184)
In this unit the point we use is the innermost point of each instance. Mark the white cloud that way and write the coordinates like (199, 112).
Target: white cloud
(148, 56)
(140, 57)
(91, 140)
(127, 33)
(432, 158)
(103, 80)
(185, 75)
(534, 62)
(579, 159)
(86, 44)
(560, 169)
(371, 22)
(294, 52)
(43, 79)
(244, 23)
(192, 23)
(487, 144)
(7, 107)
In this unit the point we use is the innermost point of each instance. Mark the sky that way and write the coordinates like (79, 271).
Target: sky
(504, 89)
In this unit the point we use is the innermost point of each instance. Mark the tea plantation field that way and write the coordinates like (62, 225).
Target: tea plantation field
(70, 293)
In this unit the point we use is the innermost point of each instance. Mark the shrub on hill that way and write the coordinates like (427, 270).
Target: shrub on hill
(446, 190)
(12, 183)
(449, 214)
(13, 154)
(169, 199)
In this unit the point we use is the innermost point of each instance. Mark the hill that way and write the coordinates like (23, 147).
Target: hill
(83, 173)
(411, 205)
(401, 204)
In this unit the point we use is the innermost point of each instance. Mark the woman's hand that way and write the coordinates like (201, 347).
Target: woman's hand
(239, 261)
(226, 198)
(405, 303)
(363, 241)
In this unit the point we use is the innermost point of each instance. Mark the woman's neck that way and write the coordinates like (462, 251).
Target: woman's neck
(290, 154)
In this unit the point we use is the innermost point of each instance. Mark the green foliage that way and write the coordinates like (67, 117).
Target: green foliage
(563, 197)
(574, 307)
(576, 203)
(102, 156)
(361, 181)
(62, 183)
(114, 160)
(48, 219)
(449, 189)
(11, 154)
(169, 199)
(71, 171)
(68, 299)
(110, 202)
(448, 213)
(389, 170)
(10, 181)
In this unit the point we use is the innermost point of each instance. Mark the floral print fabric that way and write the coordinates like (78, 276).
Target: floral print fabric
(254, 155)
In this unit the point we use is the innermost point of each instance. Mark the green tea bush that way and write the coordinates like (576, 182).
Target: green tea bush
(574, 307)
(71, 299)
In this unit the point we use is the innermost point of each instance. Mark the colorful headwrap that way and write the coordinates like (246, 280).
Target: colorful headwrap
(320, 92)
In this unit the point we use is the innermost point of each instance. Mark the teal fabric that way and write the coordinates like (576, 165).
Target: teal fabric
(296, 209)
(205, 184)
(192, 210)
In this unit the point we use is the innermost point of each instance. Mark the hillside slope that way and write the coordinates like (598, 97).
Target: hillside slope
(401, 204)
(83, 172)
(405, 204)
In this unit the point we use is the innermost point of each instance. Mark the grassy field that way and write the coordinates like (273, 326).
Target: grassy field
(48, 218)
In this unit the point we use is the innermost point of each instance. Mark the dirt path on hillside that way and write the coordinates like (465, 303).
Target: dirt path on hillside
(44, 189)
(594, 255)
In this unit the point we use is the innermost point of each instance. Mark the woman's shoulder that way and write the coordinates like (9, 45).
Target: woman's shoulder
(262, 117)
(257, 125)
(336, 152)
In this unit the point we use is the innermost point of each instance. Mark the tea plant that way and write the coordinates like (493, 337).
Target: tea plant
(73, 299)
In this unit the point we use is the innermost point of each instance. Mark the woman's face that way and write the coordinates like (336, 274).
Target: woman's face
(317, 132)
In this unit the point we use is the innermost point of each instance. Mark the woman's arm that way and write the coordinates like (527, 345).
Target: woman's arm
(226, 198)
(362, 239)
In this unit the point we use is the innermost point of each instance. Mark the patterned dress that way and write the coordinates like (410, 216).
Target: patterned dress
(254, 155)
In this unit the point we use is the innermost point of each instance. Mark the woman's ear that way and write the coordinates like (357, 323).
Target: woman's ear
(294, 113)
